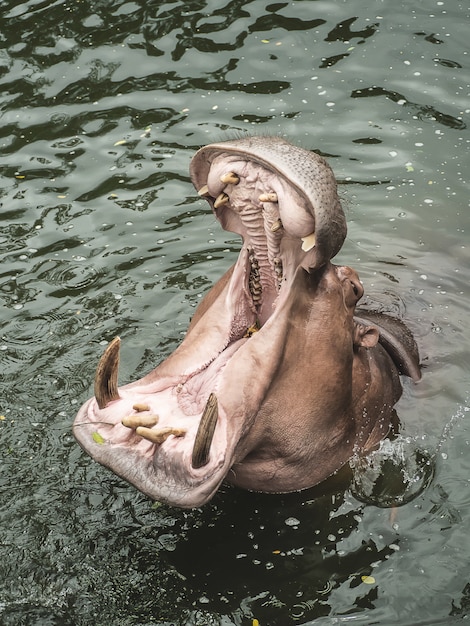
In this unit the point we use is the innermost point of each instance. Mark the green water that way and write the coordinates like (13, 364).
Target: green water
(102, 106)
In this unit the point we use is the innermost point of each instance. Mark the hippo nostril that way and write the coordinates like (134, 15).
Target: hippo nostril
(358, 289)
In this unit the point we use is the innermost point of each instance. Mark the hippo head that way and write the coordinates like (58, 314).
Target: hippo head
(272, 388)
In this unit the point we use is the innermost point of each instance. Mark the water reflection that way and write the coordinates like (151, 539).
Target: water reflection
(423, 112)
(287, 553)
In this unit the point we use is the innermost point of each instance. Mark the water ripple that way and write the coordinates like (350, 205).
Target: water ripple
(101, 233)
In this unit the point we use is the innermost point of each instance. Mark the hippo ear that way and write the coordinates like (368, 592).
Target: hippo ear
(365, 336)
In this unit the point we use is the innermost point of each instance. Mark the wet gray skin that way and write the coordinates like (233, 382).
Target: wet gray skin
(276, 384)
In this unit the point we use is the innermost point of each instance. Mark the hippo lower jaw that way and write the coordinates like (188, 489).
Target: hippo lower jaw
(176, 433)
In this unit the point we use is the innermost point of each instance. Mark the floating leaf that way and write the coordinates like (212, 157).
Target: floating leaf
(255, 622)
(121, 142)
(368, 580)
(97, 438)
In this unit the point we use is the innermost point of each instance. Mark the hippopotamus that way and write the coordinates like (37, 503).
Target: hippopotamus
(279, 380)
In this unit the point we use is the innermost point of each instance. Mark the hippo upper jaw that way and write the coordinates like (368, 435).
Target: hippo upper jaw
(291, 190)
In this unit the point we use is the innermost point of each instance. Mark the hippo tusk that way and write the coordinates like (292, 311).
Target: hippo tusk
(221, 199)
(134, 421)
(308, 242)
(230, 178)
(106, 377)
(205, 433)
(160, 435)
(203, 191)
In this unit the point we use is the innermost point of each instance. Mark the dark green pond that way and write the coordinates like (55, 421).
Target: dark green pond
(102, 106)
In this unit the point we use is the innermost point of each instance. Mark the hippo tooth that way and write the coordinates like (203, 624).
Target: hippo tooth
(230, 178)
(221, 200)
(278, 270)
(141, 407)
(268, 197)
(106, 377)
(205, 433)
(308, 242)
(134, 421)
(254, 328)
(275, 226)
(160, 435)
(203, 191)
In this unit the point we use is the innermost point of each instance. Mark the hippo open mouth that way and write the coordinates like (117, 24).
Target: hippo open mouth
(212, 407)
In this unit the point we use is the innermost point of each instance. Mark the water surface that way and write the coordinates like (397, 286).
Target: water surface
(102, 107)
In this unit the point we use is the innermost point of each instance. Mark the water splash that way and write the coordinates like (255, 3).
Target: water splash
(394, 474)
(452, 423)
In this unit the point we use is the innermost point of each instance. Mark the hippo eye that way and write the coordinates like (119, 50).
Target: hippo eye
(355, 289)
